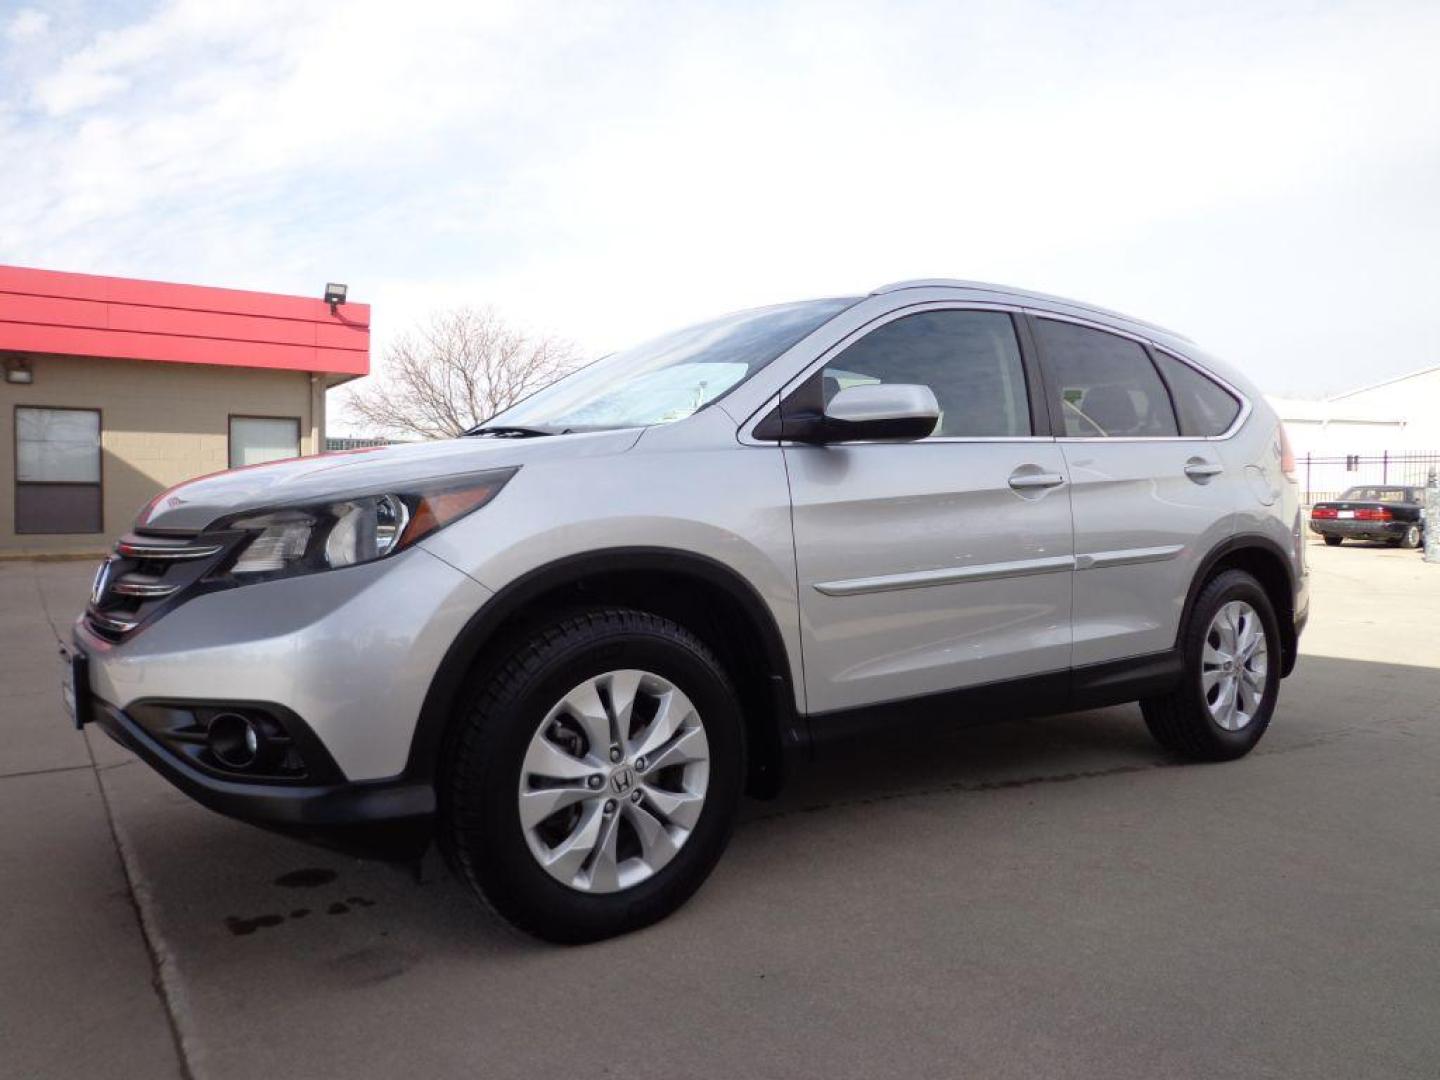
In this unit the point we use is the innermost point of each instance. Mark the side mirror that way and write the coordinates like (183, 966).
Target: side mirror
(880, 411)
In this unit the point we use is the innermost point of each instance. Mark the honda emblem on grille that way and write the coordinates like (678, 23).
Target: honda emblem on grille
(101, 582)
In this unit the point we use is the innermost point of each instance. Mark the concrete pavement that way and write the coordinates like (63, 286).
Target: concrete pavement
(1048, 898)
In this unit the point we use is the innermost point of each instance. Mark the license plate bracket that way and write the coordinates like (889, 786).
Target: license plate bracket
(75, 685)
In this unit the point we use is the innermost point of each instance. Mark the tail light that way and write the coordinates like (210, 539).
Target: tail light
(1324, 512)
(1373, 515)
(1287, 455)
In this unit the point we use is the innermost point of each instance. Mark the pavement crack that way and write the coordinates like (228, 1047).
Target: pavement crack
(165, 977)
(44, 772)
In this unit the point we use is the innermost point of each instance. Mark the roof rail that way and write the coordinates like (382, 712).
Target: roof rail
(1021, 294)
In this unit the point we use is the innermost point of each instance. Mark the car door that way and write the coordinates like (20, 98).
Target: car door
(939, 563)
(1149, 503)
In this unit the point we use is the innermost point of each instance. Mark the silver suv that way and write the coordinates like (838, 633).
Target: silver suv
(565, 643)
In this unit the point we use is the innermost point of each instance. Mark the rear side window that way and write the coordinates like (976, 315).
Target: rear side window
(1205, 407)
(970, 359)
(1107, 385)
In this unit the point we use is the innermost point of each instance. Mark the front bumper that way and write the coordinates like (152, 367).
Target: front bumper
(386, 818)
(352, 651)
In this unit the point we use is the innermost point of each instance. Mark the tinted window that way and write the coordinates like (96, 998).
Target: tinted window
(969, 359)
(1107, 384)
(1205, 407)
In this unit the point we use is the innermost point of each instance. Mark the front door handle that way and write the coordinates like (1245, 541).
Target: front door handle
(1200, 470)
(1025, 481)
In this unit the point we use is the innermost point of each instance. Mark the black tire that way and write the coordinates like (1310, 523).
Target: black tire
(1333, 541)
(1180, 721)
(480, 830)
(1410, 538)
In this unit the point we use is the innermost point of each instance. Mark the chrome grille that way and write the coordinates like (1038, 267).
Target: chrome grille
(147, 575)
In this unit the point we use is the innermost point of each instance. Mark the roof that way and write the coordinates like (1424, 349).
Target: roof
(1386, 382)
(48, 311)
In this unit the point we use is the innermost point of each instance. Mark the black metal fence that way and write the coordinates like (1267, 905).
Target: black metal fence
(1327, 477)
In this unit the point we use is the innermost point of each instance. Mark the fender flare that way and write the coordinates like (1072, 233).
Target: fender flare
(470, 644)
(1289, 636)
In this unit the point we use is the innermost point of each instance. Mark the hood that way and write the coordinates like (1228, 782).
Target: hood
(193, 505)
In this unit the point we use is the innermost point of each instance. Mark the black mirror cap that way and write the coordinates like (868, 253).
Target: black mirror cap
(817, 429)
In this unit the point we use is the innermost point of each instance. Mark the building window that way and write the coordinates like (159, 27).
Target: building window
(57, 471)
(257, 439)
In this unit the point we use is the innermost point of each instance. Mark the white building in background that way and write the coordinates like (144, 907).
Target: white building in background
(1389, 430)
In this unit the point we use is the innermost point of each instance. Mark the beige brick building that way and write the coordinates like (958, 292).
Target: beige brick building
(114, 390)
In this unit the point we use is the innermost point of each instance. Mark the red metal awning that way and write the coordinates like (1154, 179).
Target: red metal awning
(47, 311)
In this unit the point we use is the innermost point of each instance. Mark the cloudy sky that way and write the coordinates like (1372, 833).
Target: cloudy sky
(1264, 177)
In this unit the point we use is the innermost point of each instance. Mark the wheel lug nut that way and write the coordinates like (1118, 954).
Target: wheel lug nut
(635, 795)
(609, 806)
(596, 781)
(640, 763)
(615, 753)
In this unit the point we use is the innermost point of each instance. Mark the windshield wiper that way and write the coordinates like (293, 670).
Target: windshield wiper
(502, 431)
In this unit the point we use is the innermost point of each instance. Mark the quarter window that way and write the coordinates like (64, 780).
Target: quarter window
(57, 471)
(969, 359)
(1107, 385)
(255, 440)
(1205, 408)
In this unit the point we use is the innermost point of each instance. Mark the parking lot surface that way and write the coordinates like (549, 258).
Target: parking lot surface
(1047, 898)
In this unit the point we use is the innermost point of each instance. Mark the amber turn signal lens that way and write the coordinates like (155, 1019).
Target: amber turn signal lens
(436, 510)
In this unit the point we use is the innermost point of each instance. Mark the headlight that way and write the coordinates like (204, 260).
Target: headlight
(354, 529)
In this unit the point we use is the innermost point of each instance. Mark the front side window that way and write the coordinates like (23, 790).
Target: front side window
(969, 359)
(57, 471)
(255, 440)
(671, 377)
(1205, 407)
(1106, 383)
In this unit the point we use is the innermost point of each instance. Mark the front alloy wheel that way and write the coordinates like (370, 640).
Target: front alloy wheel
(614, 781)
(591, 778)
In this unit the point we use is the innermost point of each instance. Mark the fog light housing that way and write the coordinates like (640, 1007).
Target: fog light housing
(235, 741)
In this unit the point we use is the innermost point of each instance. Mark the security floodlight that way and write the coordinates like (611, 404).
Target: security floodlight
(335, 295)
(18, 371)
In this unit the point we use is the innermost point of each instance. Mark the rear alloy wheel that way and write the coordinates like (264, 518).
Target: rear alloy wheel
(1411, 537)
(1231, 648)
(592, 780)
(1333, 541)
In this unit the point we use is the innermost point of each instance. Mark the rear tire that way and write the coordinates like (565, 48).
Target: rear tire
(1334, 541)
(1410, 538)
(1230, 646)
(518, 736)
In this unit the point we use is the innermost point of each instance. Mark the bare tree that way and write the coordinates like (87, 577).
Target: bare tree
(456, 369)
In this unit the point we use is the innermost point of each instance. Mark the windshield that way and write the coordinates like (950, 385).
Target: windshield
(671, 377)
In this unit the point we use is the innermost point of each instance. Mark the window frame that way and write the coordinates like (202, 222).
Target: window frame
(230, 419)
(1149, 348)
(98, 484)
(1035, 392)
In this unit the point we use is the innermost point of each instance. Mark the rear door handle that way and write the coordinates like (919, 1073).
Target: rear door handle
(1024, 481)
(1202, 470)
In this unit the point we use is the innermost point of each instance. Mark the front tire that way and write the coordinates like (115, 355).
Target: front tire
(593, 778)
(1231, 649)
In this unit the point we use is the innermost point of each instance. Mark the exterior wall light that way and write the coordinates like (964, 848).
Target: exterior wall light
(335, 295)
(18, 371)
